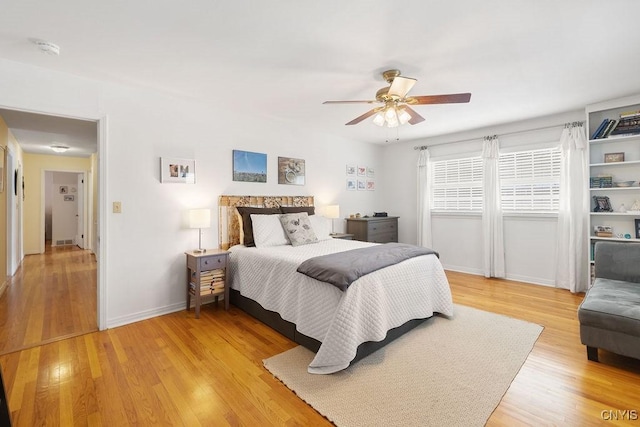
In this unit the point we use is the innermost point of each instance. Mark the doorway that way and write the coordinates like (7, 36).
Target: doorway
(65, 201)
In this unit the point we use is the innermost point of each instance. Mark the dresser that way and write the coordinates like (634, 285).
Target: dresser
(374, 229)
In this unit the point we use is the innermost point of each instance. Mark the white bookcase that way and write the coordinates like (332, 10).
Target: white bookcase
(623, 224)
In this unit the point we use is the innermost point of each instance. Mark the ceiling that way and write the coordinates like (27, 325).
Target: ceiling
(281, 59)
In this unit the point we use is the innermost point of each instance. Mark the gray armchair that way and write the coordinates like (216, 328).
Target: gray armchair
(610, 312)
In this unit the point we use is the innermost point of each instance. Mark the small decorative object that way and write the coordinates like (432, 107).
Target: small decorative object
(603, 231)
(290, 171)
(623, 183)
(636, 206)
(622, 208)
(249, 167)
(627, 236)
(352, 184)
(613, 157)
(637, 221)
(182, 171)
(362, 171)
(351, 170)
(371, 184)
(371, 172)
(358, 215)
(602, 204)
(69, 198)
(362, 184)
(601, 181)
(64, 189)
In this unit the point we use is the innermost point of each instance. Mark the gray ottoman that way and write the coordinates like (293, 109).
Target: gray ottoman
(610, 312)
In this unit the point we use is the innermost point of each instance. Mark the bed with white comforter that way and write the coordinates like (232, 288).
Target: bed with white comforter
(416, 288)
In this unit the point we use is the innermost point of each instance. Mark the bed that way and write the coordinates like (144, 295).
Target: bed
(340, 326)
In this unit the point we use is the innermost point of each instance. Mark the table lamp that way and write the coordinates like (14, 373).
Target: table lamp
(200, 218)
(332, 212)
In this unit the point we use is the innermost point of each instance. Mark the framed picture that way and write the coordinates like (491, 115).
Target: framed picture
(249, 166)
(613, 157)
(181, 171)
(1, 169)
(362, 171)
(352, 184)
(637, 228)
(602, 204)
(290, 171)
(362, 184)
(371, 185)
(351, 170)
(371, 172)
(63, 189)
(69, 198)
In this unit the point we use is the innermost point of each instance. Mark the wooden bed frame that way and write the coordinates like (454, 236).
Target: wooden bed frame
(229, 235)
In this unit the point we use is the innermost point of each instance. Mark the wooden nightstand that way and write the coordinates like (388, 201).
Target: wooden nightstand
(343, 236)
(207, 276)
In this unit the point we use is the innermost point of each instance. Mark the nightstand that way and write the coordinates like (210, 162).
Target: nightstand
(343, 236)
(207, 276)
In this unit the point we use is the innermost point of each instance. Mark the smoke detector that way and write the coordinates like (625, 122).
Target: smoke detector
(48, 47)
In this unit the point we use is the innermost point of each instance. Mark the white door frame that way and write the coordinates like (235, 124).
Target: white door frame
(102, 218)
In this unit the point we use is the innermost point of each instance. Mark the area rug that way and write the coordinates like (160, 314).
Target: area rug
(447, 371)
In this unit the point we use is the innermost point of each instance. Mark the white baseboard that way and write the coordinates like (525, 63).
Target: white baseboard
(3, 286)
(515, 277)
(143, 315)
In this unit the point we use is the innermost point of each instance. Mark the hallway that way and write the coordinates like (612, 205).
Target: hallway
(51, 297)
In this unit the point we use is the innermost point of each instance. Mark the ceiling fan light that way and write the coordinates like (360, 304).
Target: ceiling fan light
(403, 116)
(390, 114)
(393, 122)
(59, 148)
(379, 119)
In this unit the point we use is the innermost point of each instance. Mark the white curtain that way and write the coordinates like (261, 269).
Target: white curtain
(571, 269)
(424, 207)
(492, 228)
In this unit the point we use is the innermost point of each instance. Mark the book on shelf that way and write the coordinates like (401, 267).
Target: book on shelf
(599, 129)
(633, 113)
(608, 129)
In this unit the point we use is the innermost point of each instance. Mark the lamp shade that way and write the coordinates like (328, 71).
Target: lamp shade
(332, 211)
(200, 218)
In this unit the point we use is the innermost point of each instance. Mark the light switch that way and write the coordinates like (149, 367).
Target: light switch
(117, 207)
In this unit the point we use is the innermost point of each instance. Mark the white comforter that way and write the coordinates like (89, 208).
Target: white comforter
(382, 300)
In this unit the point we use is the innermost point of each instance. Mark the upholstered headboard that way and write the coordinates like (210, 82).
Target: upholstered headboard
(228, 224)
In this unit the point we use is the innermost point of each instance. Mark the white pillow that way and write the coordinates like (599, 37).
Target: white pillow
(321, 226)
(268, 231)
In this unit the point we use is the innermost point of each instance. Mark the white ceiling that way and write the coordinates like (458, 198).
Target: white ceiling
(281, 59)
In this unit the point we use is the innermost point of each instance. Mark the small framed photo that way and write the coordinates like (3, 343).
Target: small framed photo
(371, 185)
(362, 184)
(362, 171)
(69, 198)
(291, 171)
(371, 172)
(351, 170)
(181, 171)
(352, 184)
(613, 157)
(63, 189)
(637, 228)
(602, 204)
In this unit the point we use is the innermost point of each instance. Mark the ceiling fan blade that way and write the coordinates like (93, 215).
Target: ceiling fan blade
(440, 99)
(401, 86)
(350, 102)
(362, 117)
(415, 117)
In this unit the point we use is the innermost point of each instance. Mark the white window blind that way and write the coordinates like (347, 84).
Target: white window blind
(530, 180)
(457, 185)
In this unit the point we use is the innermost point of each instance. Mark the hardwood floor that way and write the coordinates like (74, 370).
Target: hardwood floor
(52, 296)
(177, 370)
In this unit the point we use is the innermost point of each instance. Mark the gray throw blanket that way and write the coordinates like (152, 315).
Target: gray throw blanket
(343, 268)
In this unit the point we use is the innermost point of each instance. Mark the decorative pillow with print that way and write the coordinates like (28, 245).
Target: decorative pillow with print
(298, 228)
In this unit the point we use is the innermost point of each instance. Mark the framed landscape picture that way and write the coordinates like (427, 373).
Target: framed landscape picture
(181, 171)
(249, 166)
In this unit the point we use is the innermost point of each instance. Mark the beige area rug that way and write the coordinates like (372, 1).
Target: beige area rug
(445, 372)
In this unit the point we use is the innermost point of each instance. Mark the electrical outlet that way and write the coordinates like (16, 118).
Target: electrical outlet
(117, 207)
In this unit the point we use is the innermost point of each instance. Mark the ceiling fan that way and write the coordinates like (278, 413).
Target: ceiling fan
(395, 109)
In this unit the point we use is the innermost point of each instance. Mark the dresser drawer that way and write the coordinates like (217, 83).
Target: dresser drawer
(383, 237)
(381, 227)
(213, 262)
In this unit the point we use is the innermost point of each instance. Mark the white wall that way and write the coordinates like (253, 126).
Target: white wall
(530, 244)
(144, 246)
(64, 214)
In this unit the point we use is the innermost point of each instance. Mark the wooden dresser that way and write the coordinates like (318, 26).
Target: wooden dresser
(374, 229)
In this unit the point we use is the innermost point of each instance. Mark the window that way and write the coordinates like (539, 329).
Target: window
(457, 185)
(530, 181)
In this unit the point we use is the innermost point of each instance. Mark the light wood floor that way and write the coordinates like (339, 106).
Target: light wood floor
(52, 296)
(176, 370)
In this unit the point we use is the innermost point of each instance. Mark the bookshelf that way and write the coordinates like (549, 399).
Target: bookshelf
(614, 170)
(206, 277)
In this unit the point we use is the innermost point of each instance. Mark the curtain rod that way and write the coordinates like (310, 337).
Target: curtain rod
(423, 147)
